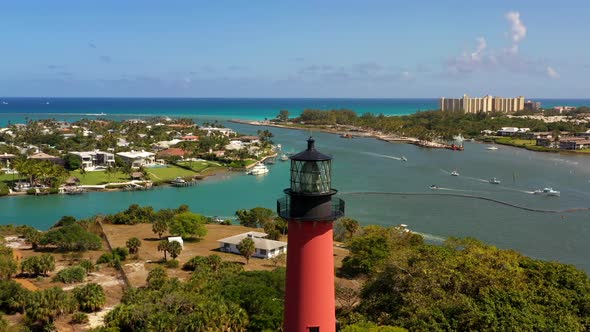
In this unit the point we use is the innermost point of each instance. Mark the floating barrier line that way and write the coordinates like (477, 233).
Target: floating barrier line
(465, 196)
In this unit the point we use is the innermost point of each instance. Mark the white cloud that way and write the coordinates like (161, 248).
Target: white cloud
(552, 72)
(517, 30)
(481, 46)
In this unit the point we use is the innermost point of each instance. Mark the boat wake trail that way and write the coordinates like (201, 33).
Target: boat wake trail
(430, 237)
(463, 190)
(382, 155)
(483, 198)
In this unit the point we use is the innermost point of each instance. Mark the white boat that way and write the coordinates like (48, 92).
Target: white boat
(259, 169)
(492, 148)
(404, 158)
(494, 181)
(455, 173)
(284, 157)
(550, 192)
(434, 186)
(4, 103)
(547, 191)
(178, 180)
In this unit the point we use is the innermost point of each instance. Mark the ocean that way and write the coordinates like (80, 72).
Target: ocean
(15, 110)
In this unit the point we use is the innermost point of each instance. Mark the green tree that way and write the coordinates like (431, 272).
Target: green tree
(32, 236)
(345, 229)
(174, 249)
(38, 265)
(247, 248)
(160, 226)
(163, 246)
(283, 115)
(43, 307)
(90, 297)
(133, 244)
(188, 224)
(255, 217)
(8, 265)
(156, 278)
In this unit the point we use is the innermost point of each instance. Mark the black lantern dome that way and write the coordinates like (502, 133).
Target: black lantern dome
(311, 172)
(309, 198)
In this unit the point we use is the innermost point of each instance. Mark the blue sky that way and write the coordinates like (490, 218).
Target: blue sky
(326, 48)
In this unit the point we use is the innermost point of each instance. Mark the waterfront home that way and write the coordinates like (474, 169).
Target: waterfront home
(138, 158)
(265, 248)
(545, 141)
(172, 152)
(92, 159)
(234, 145)
(512, 131)
(574, 143)
(45, 156)
(190, 138)
(161, 145)
(222, 131)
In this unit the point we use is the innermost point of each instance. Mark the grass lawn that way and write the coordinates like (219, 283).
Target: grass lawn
(515, 141)
(168, 173)
(197, 166)
(95, 178)
(9, 177)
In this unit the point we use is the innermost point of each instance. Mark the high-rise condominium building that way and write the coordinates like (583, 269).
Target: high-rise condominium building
(483, 104)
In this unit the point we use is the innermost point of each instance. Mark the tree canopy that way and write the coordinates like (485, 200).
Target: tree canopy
(188, 225)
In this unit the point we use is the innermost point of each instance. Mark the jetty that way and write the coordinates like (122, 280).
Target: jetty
(436, 145)
(181, 182)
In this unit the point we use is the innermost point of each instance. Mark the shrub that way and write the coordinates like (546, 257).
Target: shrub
(173, 263)
(4, 190)
(53, 191)
(79, 318)
(72, 237)
(38, 265)
(70, 275)
(121, 253)
(87, 265)
(31, 191)
(90, 297)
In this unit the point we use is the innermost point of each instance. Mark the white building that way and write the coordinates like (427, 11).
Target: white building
(265, 248)
(138, 158)
(92, 159)
(222, 131)
(235, 145)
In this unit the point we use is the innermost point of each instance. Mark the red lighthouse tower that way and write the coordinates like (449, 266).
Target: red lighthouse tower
(310, 210)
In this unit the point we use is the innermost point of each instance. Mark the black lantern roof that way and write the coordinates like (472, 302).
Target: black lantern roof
(311, 154)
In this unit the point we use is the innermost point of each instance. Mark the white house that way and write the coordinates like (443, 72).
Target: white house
(234, 145)
(176, 239)
(222, 131)
(92, 159)
(265, 248)
(138, 158)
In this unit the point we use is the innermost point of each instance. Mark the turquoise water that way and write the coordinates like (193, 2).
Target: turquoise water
(15, 110)
(368, 165)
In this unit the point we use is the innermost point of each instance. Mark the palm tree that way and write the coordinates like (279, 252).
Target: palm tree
(160, 226)
(163, 246)
(133, 245)
(90, 297)
(247, 248)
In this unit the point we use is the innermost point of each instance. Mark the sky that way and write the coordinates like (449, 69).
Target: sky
(304, 48)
